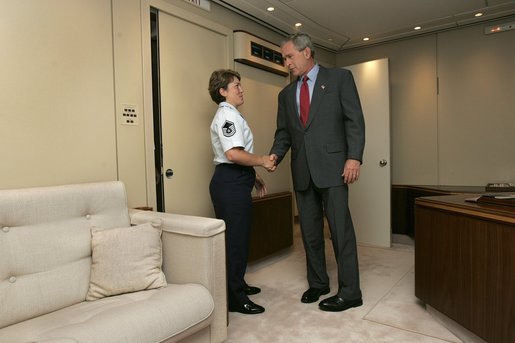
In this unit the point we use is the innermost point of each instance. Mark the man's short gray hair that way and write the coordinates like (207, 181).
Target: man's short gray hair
(301, 41)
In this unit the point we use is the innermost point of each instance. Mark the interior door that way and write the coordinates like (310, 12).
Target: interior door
(369, 198)
(188, 52)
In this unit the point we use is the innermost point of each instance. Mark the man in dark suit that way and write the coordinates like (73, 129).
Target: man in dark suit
(321, 120)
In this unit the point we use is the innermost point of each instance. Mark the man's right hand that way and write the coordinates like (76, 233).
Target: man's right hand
(268, 163)
(273, 159)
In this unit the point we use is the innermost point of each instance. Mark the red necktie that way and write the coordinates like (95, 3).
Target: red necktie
(304, 101)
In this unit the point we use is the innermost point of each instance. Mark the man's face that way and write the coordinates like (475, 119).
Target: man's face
(298, 62)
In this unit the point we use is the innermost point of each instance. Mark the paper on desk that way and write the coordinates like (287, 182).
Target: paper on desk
(505, 196)
(493, 196)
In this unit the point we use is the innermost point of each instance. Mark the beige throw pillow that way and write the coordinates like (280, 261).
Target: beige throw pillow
(125, 260)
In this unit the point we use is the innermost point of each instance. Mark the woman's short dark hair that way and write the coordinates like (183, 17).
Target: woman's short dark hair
(221, 79)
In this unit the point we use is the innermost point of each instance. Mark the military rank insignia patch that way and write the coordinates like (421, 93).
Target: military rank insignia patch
(228, 129)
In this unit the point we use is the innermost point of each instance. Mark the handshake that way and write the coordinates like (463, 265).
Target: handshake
(269, 162)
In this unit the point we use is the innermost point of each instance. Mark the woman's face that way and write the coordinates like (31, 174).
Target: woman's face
(234, 93)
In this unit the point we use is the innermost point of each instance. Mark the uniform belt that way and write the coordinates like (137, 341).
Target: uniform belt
(235, 166)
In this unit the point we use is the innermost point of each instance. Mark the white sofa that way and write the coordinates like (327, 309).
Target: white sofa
(46, 263)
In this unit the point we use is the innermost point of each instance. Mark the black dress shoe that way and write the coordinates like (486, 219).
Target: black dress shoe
(251, 290)
(337, 304)
(313, 294)
(247, 308)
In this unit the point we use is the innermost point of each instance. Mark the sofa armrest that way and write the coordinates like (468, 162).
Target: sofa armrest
(194, 252)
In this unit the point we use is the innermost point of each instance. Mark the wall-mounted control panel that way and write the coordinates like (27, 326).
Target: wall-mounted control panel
(130, 115)
(265, 53)
(259, 53)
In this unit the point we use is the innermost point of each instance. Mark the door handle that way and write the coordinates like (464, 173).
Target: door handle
(383, 163)
(169, 173)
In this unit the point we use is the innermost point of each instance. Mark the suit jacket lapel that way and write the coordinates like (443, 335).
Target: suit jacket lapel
(291, 95)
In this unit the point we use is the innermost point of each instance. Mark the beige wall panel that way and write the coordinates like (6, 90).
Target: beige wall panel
(127, 38)
(476, 107)
(414, 154)
(260, 110)
(56, 90)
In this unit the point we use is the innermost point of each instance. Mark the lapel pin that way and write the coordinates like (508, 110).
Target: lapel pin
(323, 86)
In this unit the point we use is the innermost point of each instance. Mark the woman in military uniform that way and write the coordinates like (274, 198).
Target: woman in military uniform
(232, 183)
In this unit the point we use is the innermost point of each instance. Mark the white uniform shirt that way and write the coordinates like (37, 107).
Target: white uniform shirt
(229, 130)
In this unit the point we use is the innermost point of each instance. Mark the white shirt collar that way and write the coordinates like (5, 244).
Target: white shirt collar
(312, 74)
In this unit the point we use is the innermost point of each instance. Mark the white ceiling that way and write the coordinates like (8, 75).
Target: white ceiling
(338, 25)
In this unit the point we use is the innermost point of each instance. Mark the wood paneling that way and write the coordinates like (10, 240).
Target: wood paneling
(403, 203)
(465, 264)
(272, 225)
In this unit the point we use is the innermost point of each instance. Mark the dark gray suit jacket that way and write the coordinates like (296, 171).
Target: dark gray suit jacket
(335, 130)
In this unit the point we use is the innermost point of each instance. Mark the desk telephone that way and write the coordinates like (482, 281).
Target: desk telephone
(500, 187)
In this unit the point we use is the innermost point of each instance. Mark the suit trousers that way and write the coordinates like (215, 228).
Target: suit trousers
(312, 203)
(231, 195)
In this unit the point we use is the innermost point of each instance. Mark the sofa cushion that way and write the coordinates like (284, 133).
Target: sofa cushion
(45, 244)
(126, 260)
(146, 316)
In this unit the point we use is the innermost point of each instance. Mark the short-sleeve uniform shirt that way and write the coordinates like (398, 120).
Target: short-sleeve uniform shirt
(229, 130)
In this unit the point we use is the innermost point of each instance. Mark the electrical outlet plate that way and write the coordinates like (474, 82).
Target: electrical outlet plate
(130, 115)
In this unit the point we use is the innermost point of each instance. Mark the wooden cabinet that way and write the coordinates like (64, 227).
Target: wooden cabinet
(465, 263)
(403, 203)
(272, 225)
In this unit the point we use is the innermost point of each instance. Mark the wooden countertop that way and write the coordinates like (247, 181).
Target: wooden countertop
(446, 189)
(457, 203)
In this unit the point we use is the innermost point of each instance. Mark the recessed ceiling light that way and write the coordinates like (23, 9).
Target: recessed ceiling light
(298, 24)
(270, 9)
(366, 38)
(478, 14)
(417, 28)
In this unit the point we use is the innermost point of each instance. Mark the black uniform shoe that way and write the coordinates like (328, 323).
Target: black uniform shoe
(251, 290)
(337, 304)
(247, 308)
(313, 294)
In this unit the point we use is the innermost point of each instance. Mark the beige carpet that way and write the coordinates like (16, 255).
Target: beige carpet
(390, 312)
